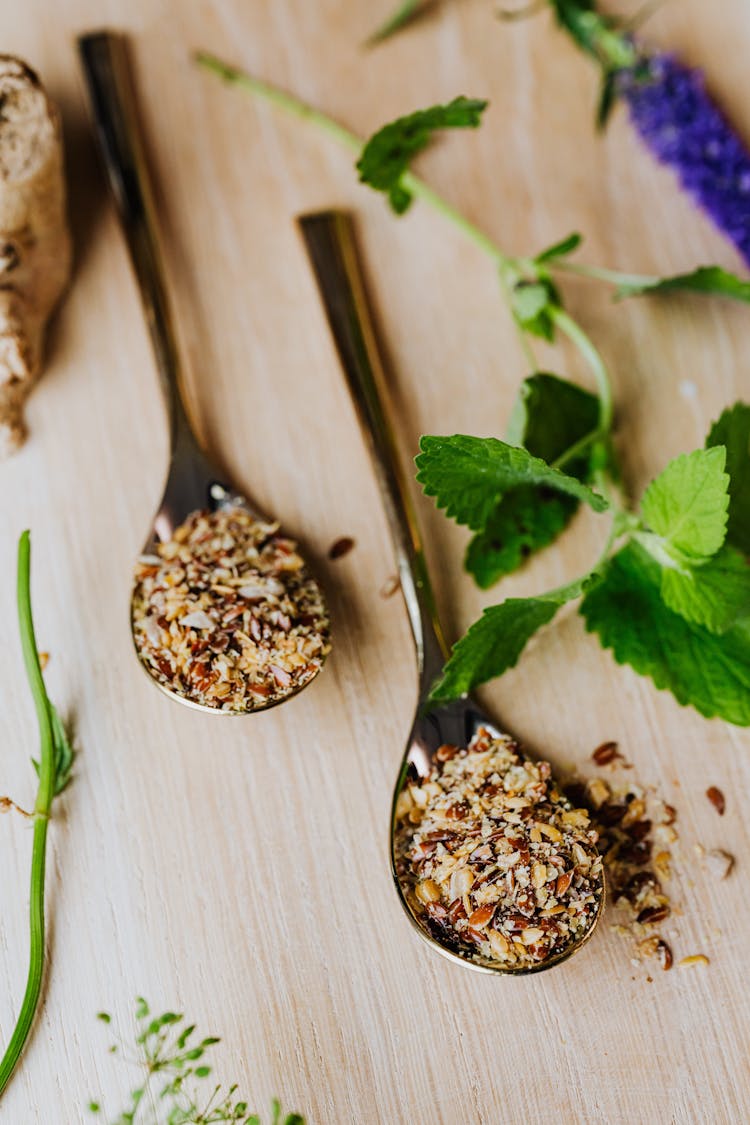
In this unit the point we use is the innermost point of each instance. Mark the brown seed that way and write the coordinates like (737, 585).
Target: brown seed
(389, 587)
(445, 752)
(719, 863)
(653, 914)
(341, 547)
(664, 953)
(606, 753)
(481, 917)
(717, 799)
(563, 883)
(695, 959)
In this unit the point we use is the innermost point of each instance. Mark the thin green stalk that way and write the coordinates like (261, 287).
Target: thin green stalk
(577, 336)
(416, 187)
(420, 190)
(599, 273)
(45, 796)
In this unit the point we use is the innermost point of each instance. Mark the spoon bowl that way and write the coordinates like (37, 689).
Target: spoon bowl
(455, 724)
(266, 644)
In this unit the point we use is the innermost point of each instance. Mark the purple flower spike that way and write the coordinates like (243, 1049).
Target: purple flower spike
(684, 129)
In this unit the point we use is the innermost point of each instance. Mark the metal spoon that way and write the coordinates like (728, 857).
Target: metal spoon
(331, 247)
(194, 483)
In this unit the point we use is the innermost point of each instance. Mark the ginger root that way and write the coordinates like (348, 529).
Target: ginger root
(35, 244)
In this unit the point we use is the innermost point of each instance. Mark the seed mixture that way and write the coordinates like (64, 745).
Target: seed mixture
(636, 833)
(226, 613)
(494, 859)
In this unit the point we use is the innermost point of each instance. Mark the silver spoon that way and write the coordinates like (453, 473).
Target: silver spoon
(194, 484)
(331, 247)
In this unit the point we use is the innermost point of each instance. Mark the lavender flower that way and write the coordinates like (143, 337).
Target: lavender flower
(685, 129)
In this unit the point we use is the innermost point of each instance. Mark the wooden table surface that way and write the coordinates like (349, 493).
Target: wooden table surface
(237, 870)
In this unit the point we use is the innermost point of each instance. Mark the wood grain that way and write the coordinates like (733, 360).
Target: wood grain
(237, 870)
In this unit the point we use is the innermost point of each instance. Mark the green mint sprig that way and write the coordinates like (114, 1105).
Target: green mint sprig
(174, 1087)
(669, 595)
(54, 771)
(510, 493)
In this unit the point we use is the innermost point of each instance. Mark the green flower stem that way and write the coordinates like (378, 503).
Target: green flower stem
(45, 796)
(599, 273)
(577, 336)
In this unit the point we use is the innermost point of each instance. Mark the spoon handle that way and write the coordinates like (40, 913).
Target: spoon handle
(104, 59)
(330, 244)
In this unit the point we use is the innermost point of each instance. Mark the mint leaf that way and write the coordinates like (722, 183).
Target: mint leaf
(530, 302)
(714, 594)
(400, 18)
(468, 475)
(732, 430)
(687, 504)
(560, 249)
(525, 520)
(707, 671)
(551, 416)
(494, 642)
(387, 154)
(712, 280)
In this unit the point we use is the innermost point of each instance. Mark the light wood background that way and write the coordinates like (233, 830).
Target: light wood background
(237, 870)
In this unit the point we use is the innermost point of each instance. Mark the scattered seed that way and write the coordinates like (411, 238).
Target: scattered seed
(390, 586)
(653, 914)
(664, 953)
(606, 753)
(719, 863)
(695, 959)
(717, 799)
(341, 547)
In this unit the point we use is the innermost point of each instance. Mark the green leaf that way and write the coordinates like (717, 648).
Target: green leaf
(142, 1010)
(105, 1017)
(596, 34)
(607, 98)
(387, 154)
(707, 671)
(550, 417)
(732, 430)
(712, 280)
(64, 753)
(531, 302)
(404, 14)
(715, 594)
(560, 249)
(687, 504)
(495, 642)
(468, 475)
(525, 521)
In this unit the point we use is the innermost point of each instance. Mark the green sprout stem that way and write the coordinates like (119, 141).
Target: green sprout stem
(506, 264)
(44, 799)
(600, 273)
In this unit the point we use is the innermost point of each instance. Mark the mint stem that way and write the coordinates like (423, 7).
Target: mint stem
(45, 796)
(413, 184)
(599, 273)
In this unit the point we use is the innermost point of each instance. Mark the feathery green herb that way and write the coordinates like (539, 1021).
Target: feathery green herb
(54, 771)
(174, 1083)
